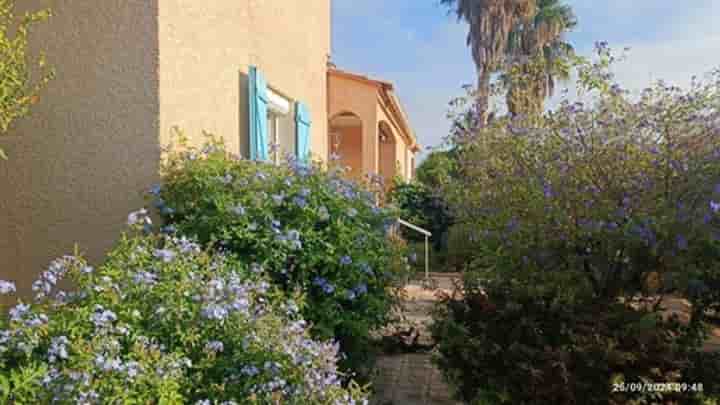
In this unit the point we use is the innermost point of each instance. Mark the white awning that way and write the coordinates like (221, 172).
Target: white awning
(277, 103)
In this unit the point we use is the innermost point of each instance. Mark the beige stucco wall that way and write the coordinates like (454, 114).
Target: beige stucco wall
(127, 71)
(362, 98)
(207, 48)
(78, 163)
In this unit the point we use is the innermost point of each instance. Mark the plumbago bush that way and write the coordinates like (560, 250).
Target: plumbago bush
(163, 322)
(569, 213)
(621, 190)
(314, 233)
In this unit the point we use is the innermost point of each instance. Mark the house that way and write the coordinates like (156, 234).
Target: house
(368, 128)
(254, 72)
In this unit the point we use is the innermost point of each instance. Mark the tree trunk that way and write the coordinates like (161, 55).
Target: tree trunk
(482, 103)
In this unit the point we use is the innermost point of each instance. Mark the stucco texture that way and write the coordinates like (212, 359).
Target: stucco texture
(207, 47)
(127, 72)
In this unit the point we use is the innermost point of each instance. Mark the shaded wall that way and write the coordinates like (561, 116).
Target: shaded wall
(78, 163)
(350, 149)
(388, 158)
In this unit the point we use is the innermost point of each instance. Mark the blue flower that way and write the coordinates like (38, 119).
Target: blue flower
(186, 245)
(216, 312)
(102, 317)
(682, 242)
(170, 229)
(512, 225)
(146, 278)
(275, 225)
(547, 191)
(300, 202)
(278, 198)
(345, 260)
(139, 218)
(227, 179)
(156, 190)
(715, 207)
(250, 371)
(58, 349)
(7, 287)
(18, 312)
(324, 285)
(238, 210)
(360, 289)
(166, 255)
(214, 347)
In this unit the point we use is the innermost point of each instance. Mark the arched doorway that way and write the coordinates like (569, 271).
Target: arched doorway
(346, 142)
(388, 150)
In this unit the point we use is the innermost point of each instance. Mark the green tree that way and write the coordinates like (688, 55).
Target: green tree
(22, 77)
(491, 22)
(438, 168)
(544, 57)
(425, 207)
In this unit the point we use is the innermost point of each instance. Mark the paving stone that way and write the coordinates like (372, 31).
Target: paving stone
(412, 379)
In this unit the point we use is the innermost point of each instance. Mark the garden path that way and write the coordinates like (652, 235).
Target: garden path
(411, 378)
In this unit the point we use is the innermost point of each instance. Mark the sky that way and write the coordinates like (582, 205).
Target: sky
(418, 46)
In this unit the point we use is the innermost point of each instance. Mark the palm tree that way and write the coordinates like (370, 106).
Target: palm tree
(491, 22)
(540, 57)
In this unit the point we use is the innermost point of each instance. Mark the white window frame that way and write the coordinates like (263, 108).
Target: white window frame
(278, 107)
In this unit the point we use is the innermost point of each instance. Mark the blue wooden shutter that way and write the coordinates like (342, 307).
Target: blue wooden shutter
(258, 101)
(302, 128)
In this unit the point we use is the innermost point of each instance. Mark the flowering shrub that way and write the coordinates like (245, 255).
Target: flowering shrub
(312, 231)
(623, 190)
(531, 341)
(163, 322)
(571, 212)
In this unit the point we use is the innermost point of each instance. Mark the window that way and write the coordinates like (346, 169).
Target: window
(278, 117)
(277, 125)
